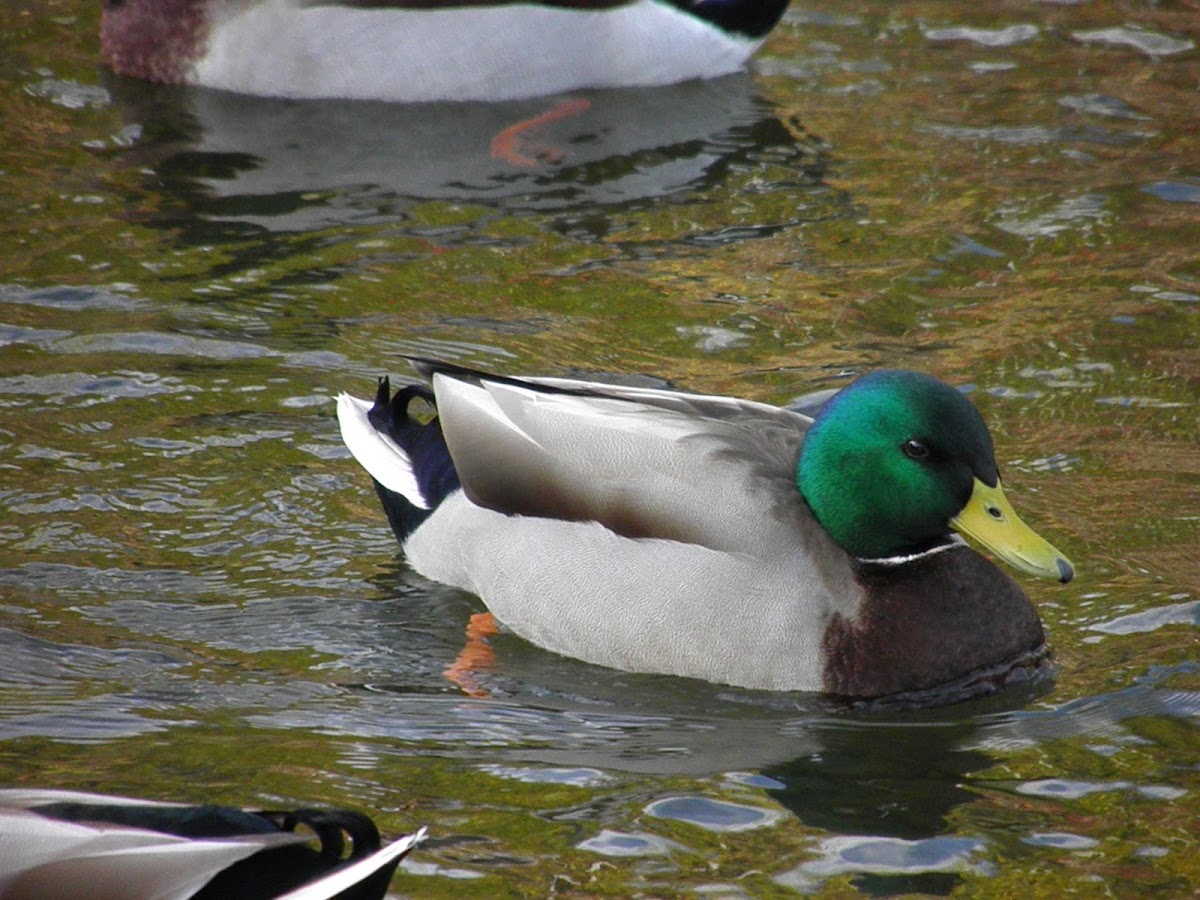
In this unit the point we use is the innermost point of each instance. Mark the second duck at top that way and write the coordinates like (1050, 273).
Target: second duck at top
(423, 50)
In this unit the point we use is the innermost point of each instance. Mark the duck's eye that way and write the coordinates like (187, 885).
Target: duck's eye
(914, 449)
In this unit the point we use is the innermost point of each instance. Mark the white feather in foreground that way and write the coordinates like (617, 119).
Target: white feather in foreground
(45, 858)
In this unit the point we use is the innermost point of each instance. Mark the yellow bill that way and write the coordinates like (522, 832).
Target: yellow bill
(990, 519)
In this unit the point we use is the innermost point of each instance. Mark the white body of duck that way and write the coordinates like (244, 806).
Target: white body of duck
(655, 531)
(424, 50)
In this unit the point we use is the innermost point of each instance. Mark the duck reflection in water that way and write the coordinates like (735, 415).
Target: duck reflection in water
(248, 164)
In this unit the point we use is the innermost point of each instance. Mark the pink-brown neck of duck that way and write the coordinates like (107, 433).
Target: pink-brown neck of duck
(157, 40)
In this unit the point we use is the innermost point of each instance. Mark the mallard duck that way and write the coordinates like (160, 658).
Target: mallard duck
(70, 844)
(716, 538)
(418, 50)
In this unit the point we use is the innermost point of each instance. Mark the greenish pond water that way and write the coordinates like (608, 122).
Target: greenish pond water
(201, 600)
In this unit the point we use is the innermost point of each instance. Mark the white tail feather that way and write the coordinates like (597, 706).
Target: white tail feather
(333, 884)
(383, 459)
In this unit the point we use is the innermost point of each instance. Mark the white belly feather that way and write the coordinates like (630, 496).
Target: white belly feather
(578, 589)
(279, 48)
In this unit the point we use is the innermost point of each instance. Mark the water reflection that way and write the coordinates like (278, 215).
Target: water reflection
(890, 780)
(890, 866)
(364, 672)
(307, 165)
(369, 666)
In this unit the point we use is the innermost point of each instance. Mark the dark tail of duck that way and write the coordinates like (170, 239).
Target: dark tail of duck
(406, 457)
(753, 18)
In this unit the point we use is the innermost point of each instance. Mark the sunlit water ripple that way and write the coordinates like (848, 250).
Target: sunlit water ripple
(199, 598)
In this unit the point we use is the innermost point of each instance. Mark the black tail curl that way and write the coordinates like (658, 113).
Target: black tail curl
(344, 836)
(427, 451)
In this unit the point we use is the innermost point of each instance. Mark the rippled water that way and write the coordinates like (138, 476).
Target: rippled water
(199, 598)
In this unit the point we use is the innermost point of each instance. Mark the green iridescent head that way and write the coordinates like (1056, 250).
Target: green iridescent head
(897, 460)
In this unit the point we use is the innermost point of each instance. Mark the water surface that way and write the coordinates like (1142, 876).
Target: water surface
(199, 598)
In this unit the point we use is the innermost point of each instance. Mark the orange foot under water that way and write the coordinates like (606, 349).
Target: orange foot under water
(476, 655)
(512, 144)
